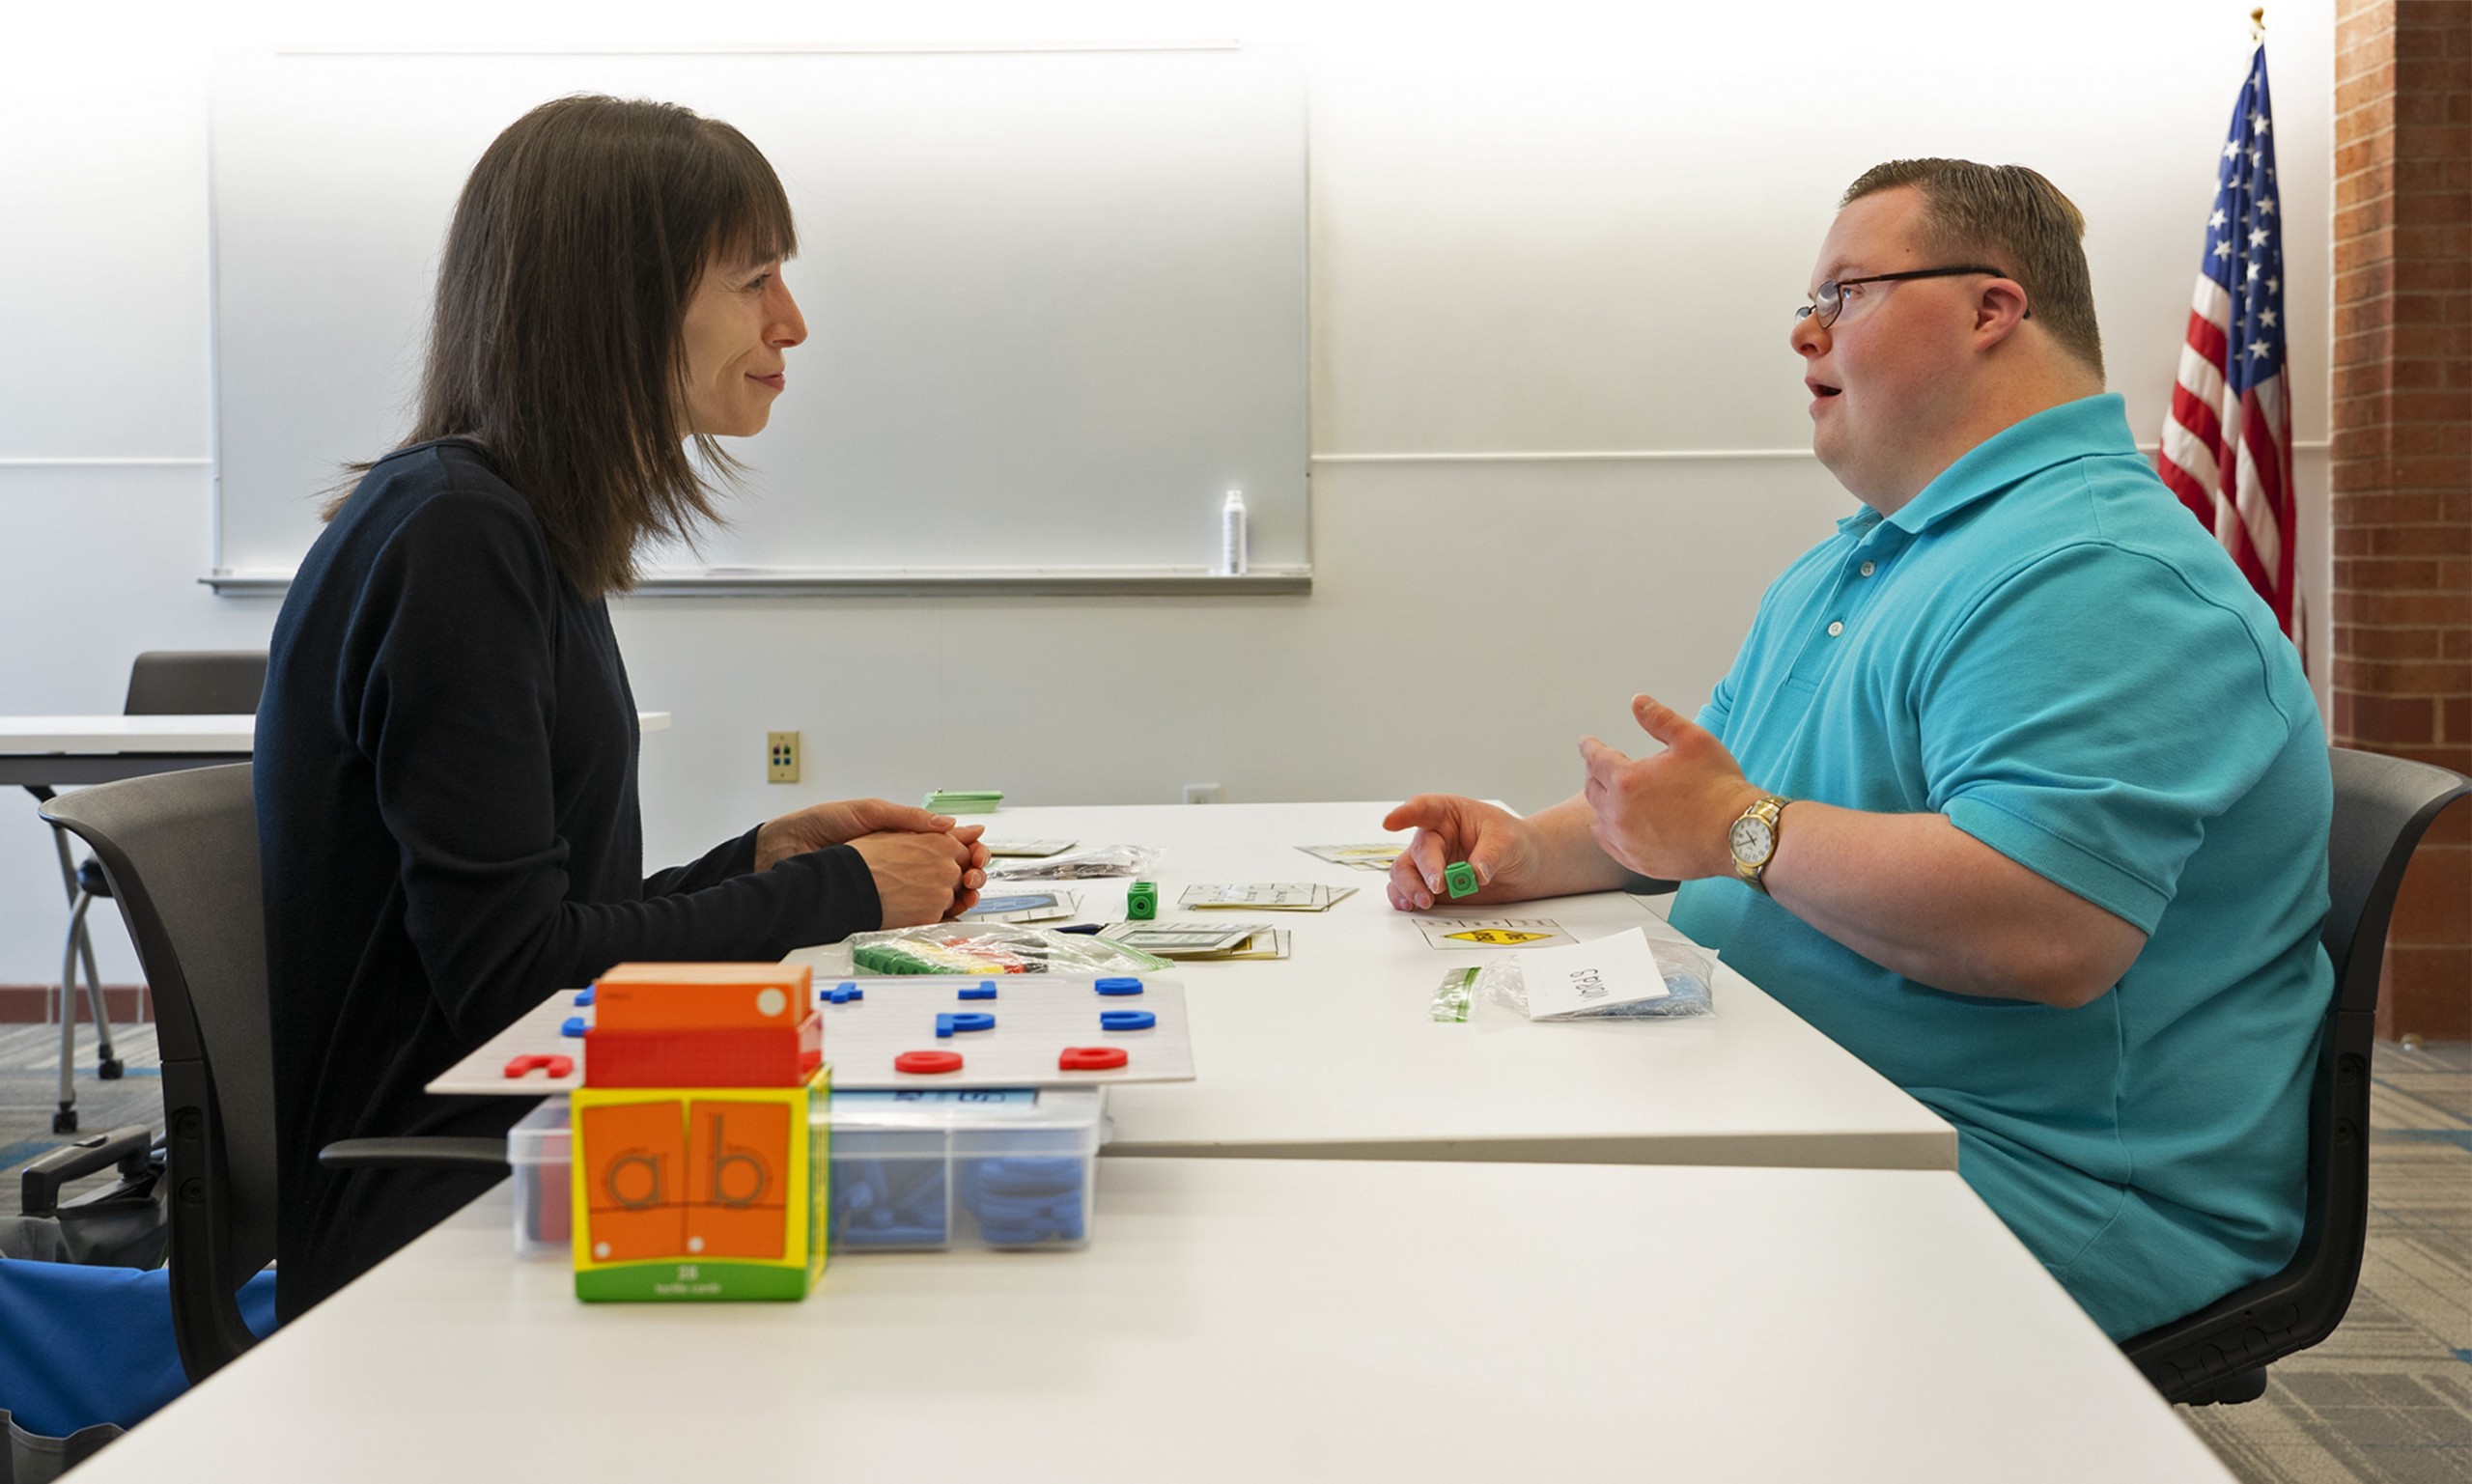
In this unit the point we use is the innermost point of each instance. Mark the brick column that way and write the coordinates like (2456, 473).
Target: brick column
(2403, 454)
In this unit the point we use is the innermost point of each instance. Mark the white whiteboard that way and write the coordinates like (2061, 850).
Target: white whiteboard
(1056, 299)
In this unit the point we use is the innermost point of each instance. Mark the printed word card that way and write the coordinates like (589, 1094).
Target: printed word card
(1267, 896)
(1590, 978)
(1491, 932)
(1361, 857)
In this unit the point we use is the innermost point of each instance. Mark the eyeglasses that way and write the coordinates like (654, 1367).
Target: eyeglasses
(1829, 302)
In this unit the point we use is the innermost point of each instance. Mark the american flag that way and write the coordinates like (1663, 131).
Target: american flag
(2226, 446)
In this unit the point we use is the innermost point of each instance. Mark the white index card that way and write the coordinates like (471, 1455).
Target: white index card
(1592, 977)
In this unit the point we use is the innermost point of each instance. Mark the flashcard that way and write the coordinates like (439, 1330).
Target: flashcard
(1031, 850)
(1590, 978)
(1359, 857)
(1492, 932)
(1170, 942)
(1024, 906)
(1267, 896)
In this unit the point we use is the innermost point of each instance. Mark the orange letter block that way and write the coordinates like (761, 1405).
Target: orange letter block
(740, 1156)
(637, 1154)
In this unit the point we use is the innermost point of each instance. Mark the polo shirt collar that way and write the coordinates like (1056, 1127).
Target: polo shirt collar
(2055, 436)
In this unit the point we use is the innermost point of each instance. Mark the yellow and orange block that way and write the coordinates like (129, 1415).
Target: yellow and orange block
(700, 1168)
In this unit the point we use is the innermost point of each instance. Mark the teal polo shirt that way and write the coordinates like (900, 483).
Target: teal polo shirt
(2044, 647)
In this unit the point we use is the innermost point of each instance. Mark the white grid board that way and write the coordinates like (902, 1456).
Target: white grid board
(1036, 1017)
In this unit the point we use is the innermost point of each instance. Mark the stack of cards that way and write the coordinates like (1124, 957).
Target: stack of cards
(964, 801)
(1028, 850)
(1362, 858)
(1441, 932)
(1024, 906)
(1267, 897)
(1189, 943)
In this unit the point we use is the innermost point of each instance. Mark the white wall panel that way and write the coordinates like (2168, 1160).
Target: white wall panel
(1526, 235)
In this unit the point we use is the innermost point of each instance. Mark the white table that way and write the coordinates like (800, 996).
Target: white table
(1333, 1053)
(1242, 1320)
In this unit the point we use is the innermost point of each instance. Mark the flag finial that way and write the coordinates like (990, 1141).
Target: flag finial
(2258, 23)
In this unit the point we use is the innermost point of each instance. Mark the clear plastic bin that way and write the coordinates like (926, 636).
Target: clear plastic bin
(932, 1170)
(912, 1172)
(537, 1153)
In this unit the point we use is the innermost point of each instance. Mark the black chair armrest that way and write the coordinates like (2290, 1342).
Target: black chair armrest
(423, 1153)
(40, 1183)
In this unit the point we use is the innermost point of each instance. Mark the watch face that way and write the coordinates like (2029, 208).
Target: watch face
(1753, 840)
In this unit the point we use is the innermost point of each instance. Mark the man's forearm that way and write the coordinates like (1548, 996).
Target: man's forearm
(1915, 894)
(1570, 862)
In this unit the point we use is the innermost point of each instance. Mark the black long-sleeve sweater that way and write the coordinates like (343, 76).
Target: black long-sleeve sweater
(449, 832)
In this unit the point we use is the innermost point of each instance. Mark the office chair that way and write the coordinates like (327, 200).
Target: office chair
(180, 852)
(2382, 807)
(161, 683)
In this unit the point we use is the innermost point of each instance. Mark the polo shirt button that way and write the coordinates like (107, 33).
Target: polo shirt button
(1834, 629)
(1868, 568)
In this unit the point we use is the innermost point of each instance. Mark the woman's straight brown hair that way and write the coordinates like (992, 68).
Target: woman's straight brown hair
(556, 341)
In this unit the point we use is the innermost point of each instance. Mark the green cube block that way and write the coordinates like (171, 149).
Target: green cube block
(1142, 902)
(1461, 878)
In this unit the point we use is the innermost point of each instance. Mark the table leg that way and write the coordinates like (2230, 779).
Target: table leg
(107, 1064)
(64, 1121)
(80, 949)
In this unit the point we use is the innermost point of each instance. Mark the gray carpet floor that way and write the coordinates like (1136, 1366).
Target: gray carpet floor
(30, 1092)
(2387, 1399)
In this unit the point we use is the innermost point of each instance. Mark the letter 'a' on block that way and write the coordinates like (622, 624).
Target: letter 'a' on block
(1460, 878)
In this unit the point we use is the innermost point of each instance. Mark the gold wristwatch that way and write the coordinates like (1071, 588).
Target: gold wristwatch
(1753, 839)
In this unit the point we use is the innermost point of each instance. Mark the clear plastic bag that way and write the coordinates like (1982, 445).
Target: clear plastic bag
(992, 948)
(1081, 865)
(1687, 969)
(1457, 992)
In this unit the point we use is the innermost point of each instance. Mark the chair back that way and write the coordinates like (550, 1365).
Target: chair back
(196, 682)
(181, 850)
(2383, 805)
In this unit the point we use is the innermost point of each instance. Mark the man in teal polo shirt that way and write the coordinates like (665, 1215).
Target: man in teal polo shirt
(2015, 789)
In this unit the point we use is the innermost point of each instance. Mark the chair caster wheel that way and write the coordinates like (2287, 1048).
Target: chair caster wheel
(109, 1071)
(64, 1121)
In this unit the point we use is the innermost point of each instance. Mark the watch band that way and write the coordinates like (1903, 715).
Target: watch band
(1769, 810)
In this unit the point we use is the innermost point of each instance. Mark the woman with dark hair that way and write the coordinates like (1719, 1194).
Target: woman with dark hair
(447, 813)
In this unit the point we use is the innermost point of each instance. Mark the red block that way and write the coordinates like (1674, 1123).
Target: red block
(734, 1057)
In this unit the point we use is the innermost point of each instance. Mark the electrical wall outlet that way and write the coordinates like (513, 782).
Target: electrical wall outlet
(781, 749)
(1201, 793)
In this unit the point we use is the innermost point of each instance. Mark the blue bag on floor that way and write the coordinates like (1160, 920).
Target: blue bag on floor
(85, 1345)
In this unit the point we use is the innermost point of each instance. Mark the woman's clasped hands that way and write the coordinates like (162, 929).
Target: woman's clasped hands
(927, 868)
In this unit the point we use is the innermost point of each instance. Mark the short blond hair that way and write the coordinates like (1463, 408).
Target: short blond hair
(2014, 219)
